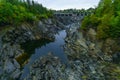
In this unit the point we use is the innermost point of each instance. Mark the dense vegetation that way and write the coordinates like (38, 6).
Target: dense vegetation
(17, 11)
(106, 19)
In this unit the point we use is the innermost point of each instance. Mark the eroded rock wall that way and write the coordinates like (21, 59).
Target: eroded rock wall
(94, 58)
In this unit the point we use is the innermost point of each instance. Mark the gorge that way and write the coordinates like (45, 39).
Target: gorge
(41, 44)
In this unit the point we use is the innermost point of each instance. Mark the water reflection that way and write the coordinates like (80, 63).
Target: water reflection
(40, 48)
(30, 46)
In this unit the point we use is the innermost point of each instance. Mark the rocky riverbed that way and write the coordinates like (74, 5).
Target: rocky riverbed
(88, 58)
(11, 52)
(92, 59)
(86, 61)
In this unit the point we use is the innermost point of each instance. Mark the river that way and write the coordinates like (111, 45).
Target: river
(43, 47)
(55, 47)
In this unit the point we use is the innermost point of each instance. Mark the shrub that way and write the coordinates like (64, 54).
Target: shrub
(90, 21)
(105, 20)
(17, 11)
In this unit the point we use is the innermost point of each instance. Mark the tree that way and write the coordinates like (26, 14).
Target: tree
(17, 11)
(106, 19)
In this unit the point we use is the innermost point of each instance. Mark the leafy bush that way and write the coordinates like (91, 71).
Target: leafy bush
(105, 20)
(90, 21)
(17, 11)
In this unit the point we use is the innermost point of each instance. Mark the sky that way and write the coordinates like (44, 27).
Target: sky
(67, 4)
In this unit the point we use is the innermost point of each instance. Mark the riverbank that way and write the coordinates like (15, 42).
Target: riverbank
(11, 52)
(90, 58)
(86, 61)
(87, 58)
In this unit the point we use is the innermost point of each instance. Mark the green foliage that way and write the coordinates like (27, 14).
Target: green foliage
(90, 21)
(105, 20)
(115, 26)
(17, 11)
(103, 27)
(86, 21)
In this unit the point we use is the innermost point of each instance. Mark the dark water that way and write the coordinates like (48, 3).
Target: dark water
(40, 48)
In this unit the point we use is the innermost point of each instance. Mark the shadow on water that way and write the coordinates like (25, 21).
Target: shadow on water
(29, 48)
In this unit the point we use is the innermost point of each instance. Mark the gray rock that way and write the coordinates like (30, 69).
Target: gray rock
(16, 64)
(49, 22)
(9, 66)
(1, 70)
(92, 69)
(92, 34)
(40, 23)
(11, 52)
(116, 57)
(82, 43)
(92, 46)
(16, 74)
